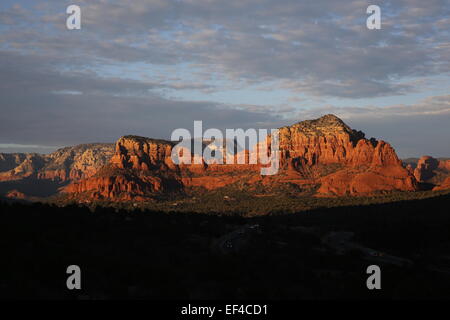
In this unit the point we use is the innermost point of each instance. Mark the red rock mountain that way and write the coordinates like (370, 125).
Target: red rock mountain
(323, 156)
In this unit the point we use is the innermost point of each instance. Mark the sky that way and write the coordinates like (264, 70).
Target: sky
(148, 67)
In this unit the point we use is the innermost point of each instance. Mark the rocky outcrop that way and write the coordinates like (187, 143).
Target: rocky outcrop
(425, 168)
(120, 185)
(432, 171)
(443, 186)
(375, 179)
(140, 167)
(324, 152)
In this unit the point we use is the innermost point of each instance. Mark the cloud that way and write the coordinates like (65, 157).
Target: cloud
(322, 47)
(430, 106)
(117, 75)
(43, 106)
(43, 74)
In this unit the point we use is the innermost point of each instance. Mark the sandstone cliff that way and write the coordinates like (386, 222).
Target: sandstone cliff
(142, 154)
(139, 168)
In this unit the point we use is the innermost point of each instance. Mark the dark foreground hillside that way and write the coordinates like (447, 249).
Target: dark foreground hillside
(320, 254)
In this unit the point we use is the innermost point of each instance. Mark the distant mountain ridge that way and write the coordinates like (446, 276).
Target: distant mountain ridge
(66, 164)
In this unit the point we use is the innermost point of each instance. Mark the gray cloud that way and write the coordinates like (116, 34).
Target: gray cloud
(54, 92)
(33, 114)
(322, 46)
(88, 107)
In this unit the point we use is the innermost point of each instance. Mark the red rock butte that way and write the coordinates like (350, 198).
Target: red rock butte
(324, 156)
(433, 171)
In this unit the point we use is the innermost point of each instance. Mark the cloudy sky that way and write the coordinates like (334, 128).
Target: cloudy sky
(147, 67)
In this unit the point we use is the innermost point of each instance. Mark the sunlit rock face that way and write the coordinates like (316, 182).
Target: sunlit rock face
(66, 164)
(323, 154)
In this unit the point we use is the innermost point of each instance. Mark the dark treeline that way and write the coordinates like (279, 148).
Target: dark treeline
(154, 255)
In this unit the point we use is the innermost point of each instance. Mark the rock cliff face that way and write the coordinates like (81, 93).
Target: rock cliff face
(432, 171)
(325, 140)
(445, 185)
(425, 168)
(324, 154)
(9, 161)
(67, 164)
(143, 154)
(329, 140)
(368, 165)
(118, 185)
